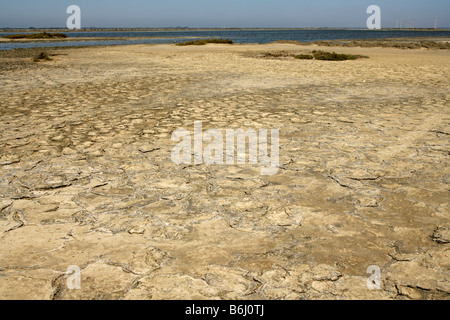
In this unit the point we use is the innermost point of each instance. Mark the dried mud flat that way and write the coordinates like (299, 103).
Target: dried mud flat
(86, 176)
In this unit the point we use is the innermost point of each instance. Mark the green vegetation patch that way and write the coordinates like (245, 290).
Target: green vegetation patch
(43, 35)
(304, 56)
(42, 56)
(329, 56)
(203, 42)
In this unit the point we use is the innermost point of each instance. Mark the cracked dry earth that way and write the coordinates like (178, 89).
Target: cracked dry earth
(86, 177)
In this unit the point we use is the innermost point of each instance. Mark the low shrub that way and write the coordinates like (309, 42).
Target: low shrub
(43, 35)
(332, 56)
(203, 42)
(329, 56)
(304, 56)
(42, 56)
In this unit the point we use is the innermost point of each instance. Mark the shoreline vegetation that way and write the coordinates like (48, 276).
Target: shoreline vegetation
(314, 55)
(400, 43)
(42, 35)
(203, 42)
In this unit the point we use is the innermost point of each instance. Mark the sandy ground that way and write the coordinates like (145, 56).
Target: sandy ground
(86, 177)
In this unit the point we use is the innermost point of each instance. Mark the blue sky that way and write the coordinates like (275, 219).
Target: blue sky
(223, 13)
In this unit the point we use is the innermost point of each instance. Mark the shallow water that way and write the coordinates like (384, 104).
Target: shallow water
(238, 36)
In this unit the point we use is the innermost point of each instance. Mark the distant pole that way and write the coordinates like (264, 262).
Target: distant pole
(435, 23)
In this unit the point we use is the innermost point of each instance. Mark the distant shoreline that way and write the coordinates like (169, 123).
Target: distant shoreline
(200, 29)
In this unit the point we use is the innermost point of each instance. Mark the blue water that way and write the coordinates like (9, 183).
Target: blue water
(238, 36)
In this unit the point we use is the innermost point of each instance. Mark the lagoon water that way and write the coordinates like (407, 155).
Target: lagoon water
(238, 36)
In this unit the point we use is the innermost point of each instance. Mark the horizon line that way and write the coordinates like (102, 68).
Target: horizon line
(224, 28)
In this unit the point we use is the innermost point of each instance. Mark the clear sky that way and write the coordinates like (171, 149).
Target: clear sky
(223, 13)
